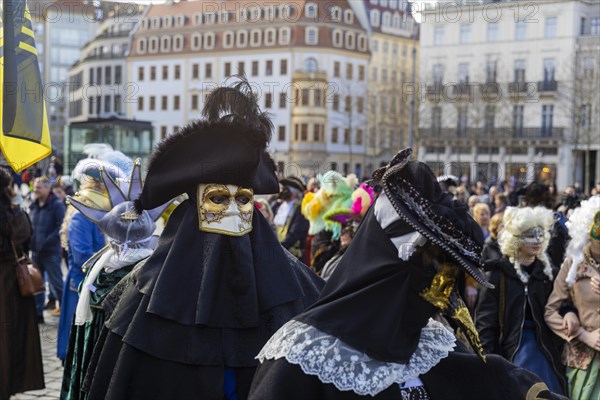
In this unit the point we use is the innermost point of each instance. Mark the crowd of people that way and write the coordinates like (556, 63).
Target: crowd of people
(331, 289)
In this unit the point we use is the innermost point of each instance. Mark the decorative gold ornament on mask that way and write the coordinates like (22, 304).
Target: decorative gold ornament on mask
(225, 209)
(443, 295)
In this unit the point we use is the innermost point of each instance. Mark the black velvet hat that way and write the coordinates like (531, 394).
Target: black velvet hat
(420, 201)
(294, 182)
(229, 147)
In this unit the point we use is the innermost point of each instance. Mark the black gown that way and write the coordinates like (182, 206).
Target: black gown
(203, 305)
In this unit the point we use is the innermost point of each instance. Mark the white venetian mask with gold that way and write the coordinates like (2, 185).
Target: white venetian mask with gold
(225, 209)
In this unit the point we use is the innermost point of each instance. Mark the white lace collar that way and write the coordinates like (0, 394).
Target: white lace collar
(333, 361)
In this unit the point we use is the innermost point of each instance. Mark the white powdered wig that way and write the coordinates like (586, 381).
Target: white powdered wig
(518, 220)
(579, 225)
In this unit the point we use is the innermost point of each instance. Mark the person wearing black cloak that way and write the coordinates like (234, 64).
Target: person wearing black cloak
(385, 324)
(218, 284)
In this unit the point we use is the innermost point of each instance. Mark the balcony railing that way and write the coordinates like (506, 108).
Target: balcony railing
(547, 86)
(495, 133)
(301, 75)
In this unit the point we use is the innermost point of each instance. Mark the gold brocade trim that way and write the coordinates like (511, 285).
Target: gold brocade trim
(463, 317)
(441, 287)
(442, 294)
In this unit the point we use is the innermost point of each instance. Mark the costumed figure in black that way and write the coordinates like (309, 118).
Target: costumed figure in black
(380, 327)
(131, 240)
(219, 283)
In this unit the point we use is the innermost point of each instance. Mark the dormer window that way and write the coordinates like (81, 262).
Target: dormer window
(375, 16)
(284, 36)
(155, 23)
(165, 44)
(334, 14)
(178, 42)
(348, 17)
(337, 38)
(311, 10)
(196, 41)
(350, 40)
(312, 35)
(198, 19)
(242, 38)
(270, 36)
(209, 41)
(153, 48)
(141, 45)
(228, 40)
(167, 21)
(255, 38)
(179, 20)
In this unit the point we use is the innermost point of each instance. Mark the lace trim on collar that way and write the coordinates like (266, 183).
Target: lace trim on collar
(333, 361)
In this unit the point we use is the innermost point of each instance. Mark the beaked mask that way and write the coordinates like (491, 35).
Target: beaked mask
(225, 209)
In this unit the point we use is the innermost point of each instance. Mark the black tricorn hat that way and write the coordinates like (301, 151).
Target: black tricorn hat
(420, 201)
(229, 149)
(294, 182)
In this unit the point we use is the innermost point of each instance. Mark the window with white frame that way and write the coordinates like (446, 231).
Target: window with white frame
(179, 20)
(198, 19)
(178, 42)
(492, 32)
(142, 44)
(595, 26)
(228, 40)
(520, 30)
(337, 38)
(374, 45)
(144, 24)
(334, 14)
(396, 21)
(155, 24)
(465, 33)
(270, 36)
(310, 10)
(375, 17)
(153, 47)
(362, 42)
(167, 21)
(196, 41)
(255, 37)
(210, 18)
(224, 17)
(312, 35)
(165, 44)
(242, 38)
(284, 35)
(348, 16)
(386, 20)
(209, 41)
(350, 40)
(550, 25)
(438, 35)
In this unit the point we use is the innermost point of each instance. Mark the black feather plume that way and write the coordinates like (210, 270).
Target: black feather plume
(238, 103)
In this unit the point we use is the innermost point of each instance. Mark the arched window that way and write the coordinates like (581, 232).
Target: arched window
(311, 65)
(337, 38)
(387, 20)
(196, 41)
(311, 10)
(153, 48)
(165, 44)
(362, 42)
(375, 16)
(178, 42)
(242, 38)
(397, 21)
(255, 37)
(209, 41)
(285, 35)
(334, 14)
(270, 34)
(350, 40)
(348, 16)
(141, 45)
(228, 40)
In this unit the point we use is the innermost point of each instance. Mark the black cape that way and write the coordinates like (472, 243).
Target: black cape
(202, 302)
(460, 376)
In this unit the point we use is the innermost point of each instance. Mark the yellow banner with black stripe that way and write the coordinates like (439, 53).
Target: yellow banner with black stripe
(25, 136)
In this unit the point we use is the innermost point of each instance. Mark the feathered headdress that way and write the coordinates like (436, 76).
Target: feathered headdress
(229, 147)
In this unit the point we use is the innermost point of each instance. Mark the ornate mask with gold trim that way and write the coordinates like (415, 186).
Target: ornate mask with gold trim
(225, 209)
(443, 294)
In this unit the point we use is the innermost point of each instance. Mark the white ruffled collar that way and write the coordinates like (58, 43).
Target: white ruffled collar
(333, 361)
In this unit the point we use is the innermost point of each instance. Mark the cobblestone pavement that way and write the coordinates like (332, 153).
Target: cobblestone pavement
(53, 370)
